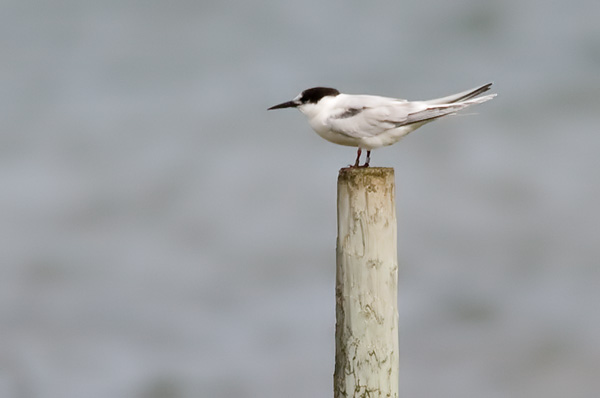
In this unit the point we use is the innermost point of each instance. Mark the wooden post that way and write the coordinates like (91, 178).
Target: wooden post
(366, 331)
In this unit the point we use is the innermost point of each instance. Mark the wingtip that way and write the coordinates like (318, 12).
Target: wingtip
(477, 92)
(484, 88)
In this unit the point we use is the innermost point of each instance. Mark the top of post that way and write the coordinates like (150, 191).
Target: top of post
(352, 173)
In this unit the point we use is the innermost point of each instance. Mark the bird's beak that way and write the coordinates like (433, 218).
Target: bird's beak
(289, 104)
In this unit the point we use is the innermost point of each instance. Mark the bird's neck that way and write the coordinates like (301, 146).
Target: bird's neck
(312, 110)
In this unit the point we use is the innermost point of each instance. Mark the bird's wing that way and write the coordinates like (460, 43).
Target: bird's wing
(368, 116)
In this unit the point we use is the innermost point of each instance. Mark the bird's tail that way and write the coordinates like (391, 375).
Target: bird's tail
(463, 96)
(436, 110)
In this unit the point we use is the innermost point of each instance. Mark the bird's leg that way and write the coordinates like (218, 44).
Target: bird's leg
(357, 157)
(368, 160)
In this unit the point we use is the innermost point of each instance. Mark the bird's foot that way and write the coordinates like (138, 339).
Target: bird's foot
(357, 166)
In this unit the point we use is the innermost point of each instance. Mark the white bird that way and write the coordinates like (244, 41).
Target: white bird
(369, 121)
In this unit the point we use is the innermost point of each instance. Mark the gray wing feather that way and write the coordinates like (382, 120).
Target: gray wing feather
(462, 96)
(436, 111)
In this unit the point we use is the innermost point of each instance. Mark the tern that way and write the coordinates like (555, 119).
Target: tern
(369, 121)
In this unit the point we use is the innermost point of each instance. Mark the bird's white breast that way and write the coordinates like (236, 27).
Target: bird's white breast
(318, 118)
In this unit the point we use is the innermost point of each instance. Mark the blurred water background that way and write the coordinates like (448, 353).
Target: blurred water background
(162, 235)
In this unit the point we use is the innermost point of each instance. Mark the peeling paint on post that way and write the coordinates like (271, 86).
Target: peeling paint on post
(366, 331)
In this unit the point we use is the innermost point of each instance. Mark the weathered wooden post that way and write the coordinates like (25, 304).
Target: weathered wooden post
(366, 332)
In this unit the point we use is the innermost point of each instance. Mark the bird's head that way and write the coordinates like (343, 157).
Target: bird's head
(307, 100)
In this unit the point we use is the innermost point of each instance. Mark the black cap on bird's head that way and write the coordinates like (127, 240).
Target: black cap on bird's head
(308, 96)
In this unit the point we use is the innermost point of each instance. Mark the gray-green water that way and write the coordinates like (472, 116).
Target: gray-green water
(162, 235)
